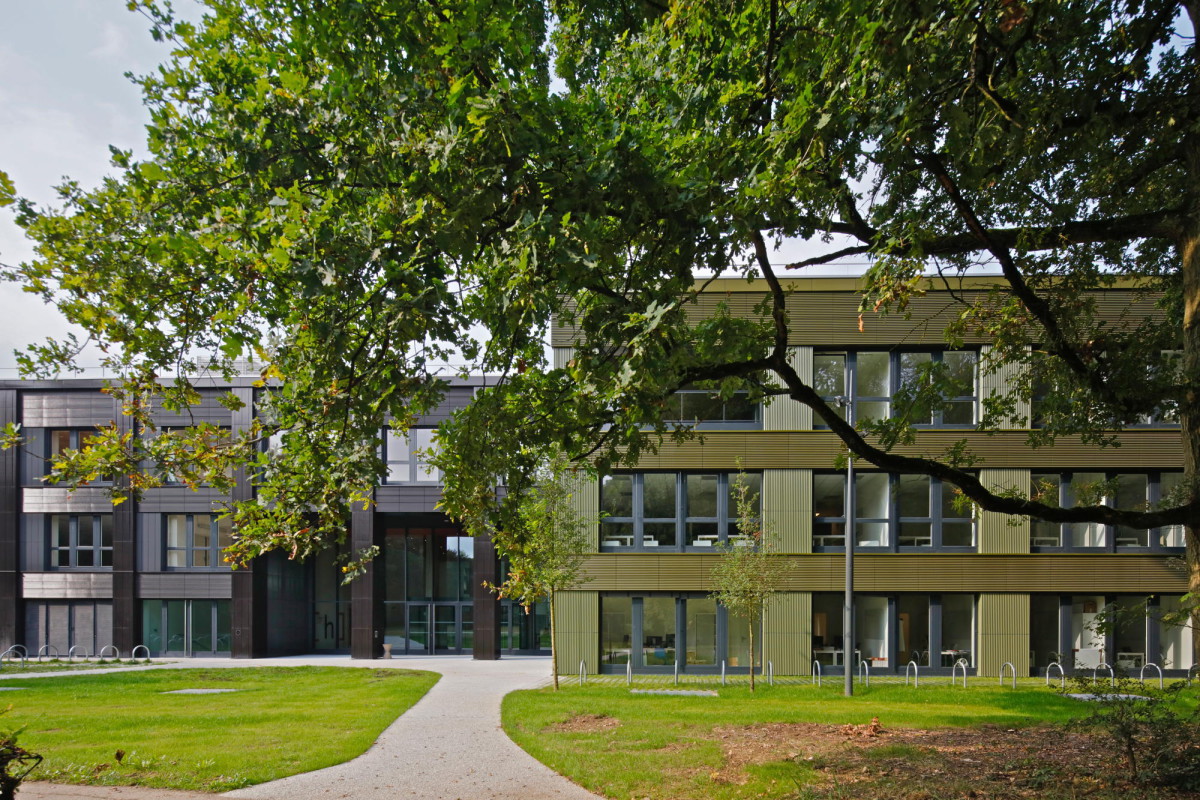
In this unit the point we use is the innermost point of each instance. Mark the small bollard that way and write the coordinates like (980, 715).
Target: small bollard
(387, 650)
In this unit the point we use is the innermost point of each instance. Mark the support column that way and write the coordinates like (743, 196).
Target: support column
(487, 604)
(366, 592)
(12, 609)
(248, 601)
(126, 613)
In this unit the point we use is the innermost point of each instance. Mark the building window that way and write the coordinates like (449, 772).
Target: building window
(871, 380)
(890, 511)
(186, 627)
(1134, 491)
(406, 456)
(934, 630)
(81, 541)
(196, 540)
(61, 440)
(706, 408)
(669, 510)
(656, 632)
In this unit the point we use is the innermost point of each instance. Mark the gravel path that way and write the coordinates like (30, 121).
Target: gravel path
(449, 746)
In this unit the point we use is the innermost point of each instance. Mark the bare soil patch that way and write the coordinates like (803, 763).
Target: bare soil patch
(873, 761)
(585, 723)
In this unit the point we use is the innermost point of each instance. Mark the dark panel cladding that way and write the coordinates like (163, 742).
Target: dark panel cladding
(366, 592)
(487, 604)
(248, 613)
(12, 615)
(127, 618)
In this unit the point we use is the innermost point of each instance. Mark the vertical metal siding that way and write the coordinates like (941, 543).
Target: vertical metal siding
(784, 413)
(999, 383)
(1003, 631)
(585, 502)
(787, 508)
(787, 633)
(1002, 533)
(577, 623)
(562, 355)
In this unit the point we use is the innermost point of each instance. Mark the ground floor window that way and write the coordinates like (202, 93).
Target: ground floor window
(1091, 631)
(186, 627)
(934, 630)
(60, 625)
(656, 632)
(524, 632)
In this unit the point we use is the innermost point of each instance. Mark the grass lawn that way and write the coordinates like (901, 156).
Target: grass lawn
(799, 741)
(58, 665)
(279, 721)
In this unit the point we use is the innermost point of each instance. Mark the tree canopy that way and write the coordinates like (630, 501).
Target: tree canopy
(351, 191)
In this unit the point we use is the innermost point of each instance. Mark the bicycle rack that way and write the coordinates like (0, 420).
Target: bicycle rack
(1061, 673)
(915, 673)
(133, 653)
(14, 653)
(816, 672)
(1014, 673)
(1112, 675)
(45, 649)
(962, 662)
(71, 654)
(770, 673)
(864, 672)
(21, 647)
(116, 654)
(582, 672)
(1189, 675)
(1142, 674)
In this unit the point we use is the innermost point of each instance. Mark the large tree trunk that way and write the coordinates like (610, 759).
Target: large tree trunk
(1189, 411)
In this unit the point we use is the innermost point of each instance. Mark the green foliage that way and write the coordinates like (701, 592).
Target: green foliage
(16, 762)
(1155, 733)
(354, 194)
(748, 571)
(546, 544)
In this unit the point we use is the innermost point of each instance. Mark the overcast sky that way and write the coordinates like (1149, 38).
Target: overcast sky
(64, 99)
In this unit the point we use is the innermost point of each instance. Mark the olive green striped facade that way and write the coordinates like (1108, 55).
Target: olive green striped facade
(1000, 572)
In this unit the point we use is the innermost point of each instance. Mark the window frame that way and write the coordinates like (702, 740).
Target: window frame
(710, 423)
(1154, 536)
(189, 549)
(850, 374)
(413, 466)
(98, 547)
(725, 518)
(936, 519)
(76, 436)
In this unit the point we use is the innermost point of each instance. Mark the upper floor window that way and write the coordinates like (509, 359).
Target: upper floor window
(169, 477)
(61, 440)
(196, 540)
(1133, 491)
(671, 510)
(81, 541)
(890, 511)
(870, 381)
(704, 407)
(402, 452)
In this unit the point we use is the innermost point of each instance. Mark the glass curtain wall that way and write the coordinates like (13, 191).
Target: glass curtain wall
(428, 590)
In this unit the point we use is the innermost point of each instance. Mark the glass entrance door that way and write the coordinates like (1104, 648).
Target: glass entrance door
(443, 628)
